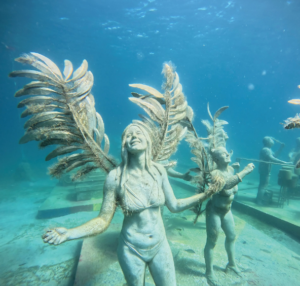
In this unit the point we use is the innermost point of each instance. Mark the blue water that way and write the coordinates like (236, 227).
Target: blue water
(244, 54)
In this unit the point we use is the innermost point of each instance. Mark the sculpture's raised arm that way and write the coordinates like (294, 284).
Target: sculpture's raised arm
(94, 226)
(179, 205)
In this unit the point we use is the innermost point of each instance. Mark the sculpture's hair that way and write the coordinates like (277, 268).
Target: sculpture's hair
(124, 153)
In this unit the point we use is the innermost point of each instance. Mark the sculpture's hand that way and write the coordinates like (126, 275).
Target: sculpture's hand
(249, 168)
(56, 235)
(187, 176)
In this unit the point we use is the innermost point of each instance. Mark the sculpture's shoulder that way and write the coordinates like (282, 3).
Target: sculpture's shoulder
(216, 172)
(265, 152)
(113, 179)
(160, 168)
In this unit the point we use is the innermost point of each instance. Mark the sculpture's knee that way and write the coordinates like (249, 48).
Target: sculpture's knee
(231, 237)
(212, 238)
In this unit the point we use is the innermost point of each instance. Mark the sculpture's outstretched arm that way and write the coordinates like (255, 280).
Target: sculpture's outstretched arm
(179, 205)
(94, 226)
(237, 178)
(184, 176)
(272, 159)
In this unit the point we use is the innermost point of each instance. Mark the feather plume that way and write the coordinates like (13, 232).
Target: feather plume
(63, 113)
(202, 153)
(216, 135)
(168, 113)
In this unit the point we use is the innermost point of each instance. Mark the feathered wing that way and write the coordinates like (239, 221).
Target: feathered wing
(165, 111)
(201, 147)
(216, 135)
(62, 111)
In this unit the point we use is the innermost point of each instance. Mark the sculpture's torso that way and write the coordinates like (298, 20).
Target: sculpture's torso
(265, 154)
(141, 199)
(223, 199)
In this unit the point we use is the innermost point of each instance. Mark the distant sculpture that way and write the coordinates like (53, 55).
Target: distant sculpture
(266, 154)
(140, 187)
(218, 212)
(294, 155)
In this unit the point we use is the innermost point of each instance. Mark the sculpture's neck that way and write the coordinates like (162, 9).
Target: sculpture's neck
(223, 167)
(137, 161)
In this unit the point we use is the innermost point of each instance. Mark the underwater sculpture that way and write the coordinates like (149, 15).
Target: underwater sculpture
(218, 211)
(266, 154)
(64, 114)
(213, 161)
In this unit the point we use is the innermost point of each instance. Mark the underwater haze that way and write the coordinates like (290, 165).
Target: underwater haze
(244, 54)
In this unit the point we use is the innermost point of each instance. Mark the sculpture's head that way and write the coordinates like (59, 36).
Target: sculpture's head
(220, 156)
(135, 139)
(268, 141)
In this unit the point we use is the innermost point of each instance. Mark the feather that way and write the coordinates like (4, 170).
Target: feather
(68, 70)
(149, 109)
(36, 108)
(100, 128)
(63, 115)
(34, 91)
(47, 133)
(81, 71)
(49, 63)
(106, 144)
(149, 89)
(209, 112)
(39, 84)
(38, 100)
(176, 81)
(183, 134)
(219, 111)
(61, 151)
(83, 172)
(190, 113)
(78, 164)
(32, 74)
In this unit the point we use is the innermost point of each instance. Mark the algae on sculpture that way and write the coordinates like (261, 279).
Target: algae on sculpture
(138, 185)
(213, 161)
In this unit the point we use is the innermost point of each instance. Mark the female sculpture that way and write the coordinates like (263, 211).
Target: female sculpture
(218, 212)
(140, 187)
(62, 110)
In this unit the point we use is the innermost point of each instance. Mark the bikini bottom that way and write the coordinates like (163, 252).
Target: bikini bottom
(144, 254)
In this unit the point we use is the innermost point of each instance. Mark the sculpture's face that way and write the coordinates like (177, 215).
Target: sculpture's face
(135, 140)
(222, 156)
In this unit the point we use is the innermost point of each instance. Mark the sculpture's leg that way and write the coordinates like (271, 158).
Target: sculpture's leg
(162, 266)
(228, 227)
(132, 266)
(263, 184)
(213, 225)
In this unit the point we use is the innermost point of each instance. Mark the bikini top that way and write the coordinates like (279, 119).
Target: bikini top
(132, 201)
